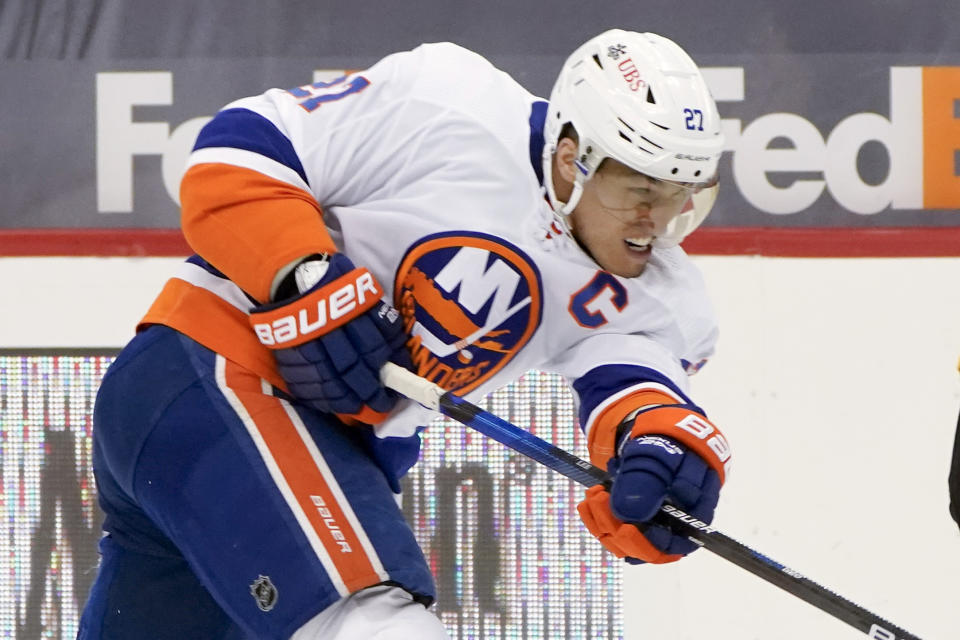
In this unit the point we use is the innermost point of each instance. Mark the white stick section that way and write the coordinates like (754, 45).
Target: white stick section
(411, 385)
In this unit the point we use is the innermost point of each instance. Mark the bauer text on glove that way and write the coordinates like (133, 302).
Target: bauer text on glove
(331, 339)
(665, 453)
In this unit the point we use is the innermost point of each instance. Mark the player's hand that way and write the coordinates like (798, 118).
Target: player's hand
(649, 470)
(331, 340)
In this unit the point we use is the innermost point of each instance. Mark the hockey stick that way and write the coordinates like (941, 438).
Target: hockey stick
(434, 397)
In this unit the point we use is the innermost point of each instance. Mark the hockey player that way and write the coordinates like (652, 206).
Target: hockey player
(430, 212)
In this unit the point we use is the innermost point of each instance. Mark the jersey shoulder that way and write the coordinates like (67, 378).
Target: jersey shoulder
(663, 319)
(678, 283)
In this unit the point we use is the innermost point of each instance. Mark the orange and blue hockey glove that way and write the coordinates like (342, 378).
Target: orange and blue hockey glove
(331, 333)
(664, 453)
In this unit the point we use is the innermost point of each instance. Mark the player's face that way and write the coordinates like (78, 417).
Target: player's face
(621, 212)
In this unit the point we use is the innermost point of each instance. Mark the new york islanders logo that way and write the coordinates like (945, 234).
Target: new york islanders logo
(470, 302)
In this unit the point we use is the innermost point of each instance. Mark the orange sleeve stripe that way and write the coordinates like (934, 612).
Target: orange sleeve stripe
(602, 440)
(249, 225)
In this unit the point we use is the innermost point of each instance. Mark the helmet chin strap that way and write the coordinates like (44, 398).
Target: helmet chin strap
(561, 209)
(566, 208)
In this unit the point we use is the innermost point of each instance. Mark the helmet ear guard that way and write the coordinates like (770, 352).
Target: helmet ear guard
(640, 99)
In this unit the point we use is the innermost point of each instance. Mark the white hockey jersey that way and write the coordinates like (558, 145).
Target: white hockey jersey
(425, 169)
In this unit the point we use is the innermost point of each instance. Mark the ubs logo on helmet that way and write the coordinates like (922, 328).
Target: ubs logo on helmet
(631, 75)
(470, 302)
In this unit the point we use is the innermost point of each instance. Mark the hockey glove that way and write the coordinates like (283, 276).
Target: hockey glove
(332, 337)
(666, 453)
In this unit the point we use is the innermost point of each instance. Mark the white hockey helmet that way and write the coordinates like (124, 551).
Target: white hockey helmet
(640, 99)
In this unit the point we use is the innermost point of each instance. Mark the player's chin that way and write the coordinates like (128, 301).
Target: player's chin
(628, 261)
